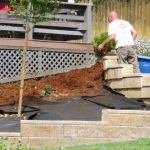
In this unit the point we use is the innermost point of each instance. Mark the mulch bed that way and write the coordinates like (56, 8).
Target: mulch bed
(74, 83)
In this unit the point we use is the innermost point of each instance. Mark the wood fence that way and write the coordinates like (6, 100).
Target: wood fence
(137, 12)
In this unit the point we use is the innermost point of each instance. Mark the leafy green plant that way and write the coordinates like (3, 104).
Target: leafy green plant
(101, 38)
(47, 90)
(34, 10)
(3, 145)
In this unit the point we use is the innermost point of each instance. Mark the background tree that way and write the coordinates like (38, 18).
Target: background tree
(30, 11)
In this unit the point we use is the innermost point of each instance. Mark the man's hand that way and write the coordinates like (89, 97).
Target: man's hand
(109, 39)
(100, 47)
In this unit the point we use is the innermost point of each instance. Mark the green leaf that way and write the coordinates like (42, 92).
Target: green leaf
(37, 10)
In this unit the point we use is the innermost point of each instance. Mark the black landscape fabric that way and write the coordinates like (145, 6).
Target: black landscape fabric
(87, 108)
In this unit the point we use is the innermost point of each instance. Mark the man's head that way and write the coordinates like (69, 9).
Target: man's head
(112, 16)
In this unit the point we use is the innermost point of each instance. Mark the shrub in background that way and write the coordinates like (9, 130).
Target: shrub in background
(142, 46)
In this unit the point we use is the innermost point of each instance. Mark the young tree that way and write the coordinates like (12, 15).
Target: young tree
(30, 11)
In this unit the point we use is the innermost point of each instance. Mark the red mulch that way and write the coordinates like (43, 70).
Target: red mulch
(77, 82)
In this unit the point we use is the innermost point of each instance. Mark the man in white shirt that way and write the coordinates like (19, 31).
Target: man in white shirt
(124, 34)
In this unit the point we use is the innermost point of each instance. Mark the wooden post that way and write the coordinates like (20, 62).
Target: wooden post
(23, 69)
(88, 20)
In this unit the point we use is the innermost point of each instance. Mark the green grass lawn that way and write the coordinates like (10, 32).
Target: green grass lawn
(142, 144)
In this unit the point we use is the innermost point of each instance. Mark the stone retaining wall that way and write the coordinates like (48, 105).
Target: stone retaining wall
(116, 125)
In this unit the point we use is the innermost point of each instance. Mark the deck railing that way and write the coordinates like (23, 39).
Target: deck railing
(72, 22)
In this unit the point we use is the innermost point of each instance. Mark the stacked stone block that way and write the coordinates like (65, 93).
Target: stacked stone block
(121, 78)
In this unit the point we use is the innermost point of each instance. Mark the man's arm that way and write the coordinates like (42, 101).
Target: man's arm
(134, 33)
(109, 39)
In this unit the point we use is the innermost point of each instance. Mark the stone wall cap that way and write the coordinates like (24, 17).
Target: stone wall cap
(138, 112)
(9, 134)
(109, 57)
(60, 122)
(119, 66)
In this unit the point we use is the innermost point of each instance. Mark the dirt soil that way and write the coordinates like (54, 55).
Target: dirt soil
(74, 83)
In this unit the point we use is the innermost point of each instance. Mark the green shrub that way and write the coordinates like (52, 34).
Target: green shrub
(101, 38)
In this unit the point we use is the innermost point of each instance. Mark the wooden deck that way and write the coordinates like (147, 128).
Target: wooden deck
(39, 44)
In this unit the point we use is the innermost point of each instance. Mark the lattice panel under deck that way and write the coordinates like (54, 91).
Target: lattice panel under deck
(9, 64)
(41, 63)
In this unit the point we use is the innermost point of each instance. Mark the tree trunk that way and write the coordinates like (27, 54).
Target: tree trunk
(23, 54)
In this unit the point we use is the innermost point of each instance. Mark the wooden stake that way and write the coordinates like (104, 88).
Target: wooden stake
(23, 69)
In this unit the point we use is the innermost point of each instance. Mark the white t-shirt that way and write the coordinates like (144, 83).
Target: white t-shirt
(122, 31)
